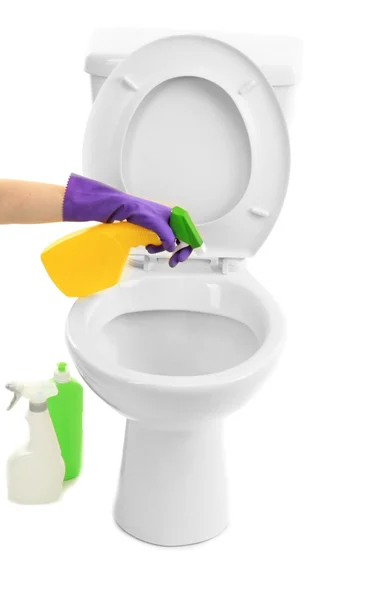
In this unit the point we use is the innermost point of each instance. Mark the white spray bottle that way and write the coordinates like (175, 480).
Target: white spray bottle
(35, 472)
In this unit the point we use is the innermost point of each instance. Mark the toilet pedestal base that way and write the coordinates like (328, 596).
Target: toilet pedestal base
(172, 486)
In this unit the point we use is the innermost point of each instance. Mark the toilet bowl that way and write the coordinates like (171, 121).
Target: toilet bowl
(186, 120)
(175, 354)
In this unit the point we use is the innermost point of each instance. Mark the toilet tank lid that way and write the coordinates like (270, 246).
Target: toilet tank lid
(278, 57)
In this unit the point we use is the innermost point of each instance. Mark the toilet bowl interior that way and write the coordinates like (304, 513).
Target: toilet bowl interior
(176, 327)
(177, 342)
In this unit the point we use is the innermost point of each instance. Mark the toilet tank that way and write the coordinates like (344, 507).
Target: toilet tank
(278, 57)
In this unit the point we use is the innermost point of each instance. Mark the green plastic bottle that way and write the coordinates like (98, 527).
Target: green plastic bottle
(66, 411)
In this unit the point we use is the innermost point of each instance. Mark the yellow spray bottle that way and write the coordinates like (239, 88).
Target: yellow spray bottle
(92, 259)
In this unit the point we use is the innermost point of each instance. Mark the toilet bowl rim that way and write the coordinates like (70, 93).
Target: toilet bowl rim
(93, 362)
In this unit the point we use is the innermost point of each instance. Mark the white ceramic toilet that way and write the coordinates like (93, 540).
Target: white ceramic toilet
(192, 121)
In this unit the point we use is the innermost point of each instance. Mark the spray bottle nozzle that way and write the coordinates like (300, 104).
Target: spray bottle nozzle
(185, 231)
(12, 387)
(36, 392)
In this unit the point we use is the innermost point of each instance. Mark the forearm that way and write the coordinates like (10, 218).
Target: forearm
(30, 202)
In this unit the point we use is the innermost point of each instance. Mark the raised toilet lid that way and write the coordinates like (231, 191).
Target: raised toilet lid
(191, 121)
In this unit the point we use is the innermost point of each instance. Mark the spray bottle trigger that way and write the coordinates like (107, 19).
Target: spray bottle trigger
(179, 246)
(16, 394)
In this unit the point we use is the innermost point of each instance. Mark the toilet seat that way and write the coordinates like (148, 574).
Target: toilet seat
(231, 140)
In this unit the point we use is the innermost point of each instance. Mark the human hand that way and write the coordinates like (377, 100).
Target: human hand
(89, 200)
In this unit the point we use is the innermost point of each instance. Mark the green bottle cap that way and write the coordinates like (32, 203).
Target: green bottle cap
(61, 367)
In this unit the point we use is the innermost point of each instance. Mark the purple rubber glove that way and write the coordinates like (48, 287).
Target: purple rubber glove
(89, 200)
(176, 258)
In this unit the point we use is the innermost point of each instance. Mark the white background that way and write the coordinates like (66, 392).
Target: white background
(306, 457)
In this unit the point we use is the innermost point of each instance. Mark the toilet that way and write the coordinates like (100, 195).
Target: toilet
(187, 120)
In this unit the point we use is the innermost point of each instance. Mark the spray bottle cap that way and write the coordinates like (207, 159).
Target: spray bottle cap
(62, 374)
(36, 392)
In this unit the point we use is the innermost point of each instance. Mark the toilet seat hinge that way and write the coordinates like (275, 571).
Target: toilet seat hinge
(224, 266)
(227, 265)
(149, 262)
